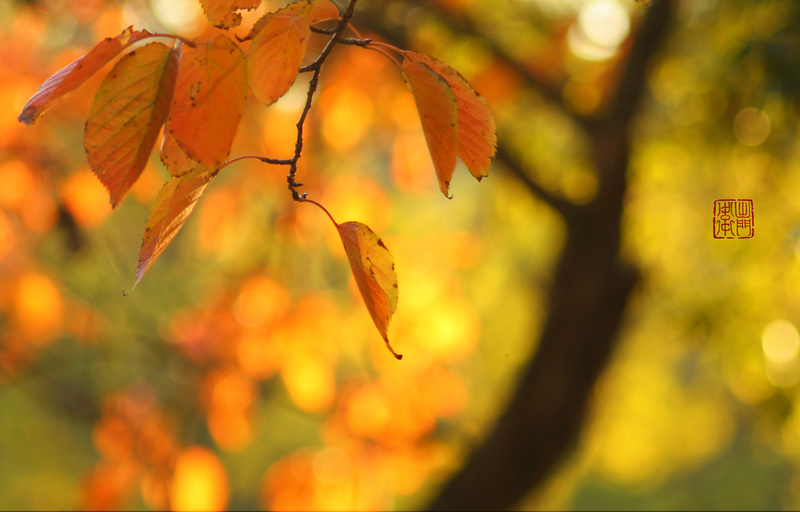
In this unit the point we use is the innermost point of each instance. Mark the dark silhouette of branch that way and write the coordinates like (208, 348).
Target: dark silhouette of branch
(513, 165)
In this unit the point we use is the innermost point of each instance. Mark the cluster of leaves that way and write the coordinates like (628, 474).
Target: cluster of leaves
(195, 92)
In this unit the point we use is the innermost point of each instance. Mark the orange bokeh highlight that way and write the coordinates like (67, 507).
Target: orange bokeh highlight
(135, 440)
(8, 236)
(17, 182)
(289, 483)
(229, 398)
(85, 199)
(346, 113)
(261, 301)
(309, 380)
(349, 198)
(412, 168)
(218, 217)
(21, 191)
(199, 481)
(37, 308)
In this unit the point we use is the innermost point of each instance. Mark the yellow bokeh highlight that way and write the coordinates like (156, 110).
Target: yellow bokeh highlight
(346, 112)
(646, 416)
(199, 482)
(780, 341)
(309, 380)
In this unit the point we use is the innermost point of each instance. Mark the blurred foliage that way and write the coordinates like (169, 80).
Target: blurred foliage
(244, 372)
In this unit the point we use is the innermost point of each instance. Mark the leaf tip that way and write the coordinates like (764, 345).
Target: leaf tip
(395, 354)
(26, 117)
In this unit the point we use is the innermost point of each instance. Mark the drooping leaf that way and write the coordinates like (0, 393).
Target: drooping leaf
(172, 206)
(373, 269)
(438, 113)
(222, 13)
(477, 134)
(128, 111)
(73, 75)
(208, 102)
(279, 44)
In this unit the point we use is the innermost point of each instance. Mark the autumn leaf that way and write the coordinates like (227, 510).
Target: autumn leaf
(73, 75)
(313, 11)
(207, 104)
(373, 269)
(175, 158)
(438, 113)
(477, 134)
(279, 44)
(172, 206)
(128, 111)
(222, 13)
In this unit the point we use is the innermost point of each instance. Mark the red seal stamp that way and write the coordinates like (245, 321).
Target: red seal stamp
(733, 218)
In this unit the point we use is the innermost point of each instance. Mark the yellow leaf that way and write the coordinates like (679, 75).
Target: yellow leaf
(373, 269)
(438, 113)
(128, 111)
(73, 75)
(208, 102)
(222, 13)
(172, 206)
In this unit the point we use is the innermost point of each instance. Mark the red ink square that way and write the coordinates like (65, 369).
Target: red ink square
(733, 218)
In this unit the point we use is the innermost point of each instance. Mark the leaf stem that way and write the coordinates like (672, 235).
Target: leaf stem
(304, 200)
(183, 40)
(382, 49)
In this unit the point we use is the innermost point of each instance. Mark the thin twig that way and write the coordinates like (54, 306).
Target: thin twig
(316, 67)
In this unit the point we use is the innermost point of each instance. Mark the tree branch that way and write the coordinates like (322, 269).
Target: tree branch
(515, 167)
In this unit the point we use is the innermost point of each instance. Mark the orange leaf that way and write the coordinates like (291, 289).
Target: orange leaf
(71, 76)
(477, 135)
(279, 44)
(172, 206)
(275, 57)
(128, 111)
(438, 112)
(222, 13)
(175, 158)
(208, 102)
(373, 269)
(314, 11)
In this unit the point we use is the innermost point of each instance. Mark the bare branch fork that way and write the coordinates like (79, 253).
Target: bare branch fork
(315, 68)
